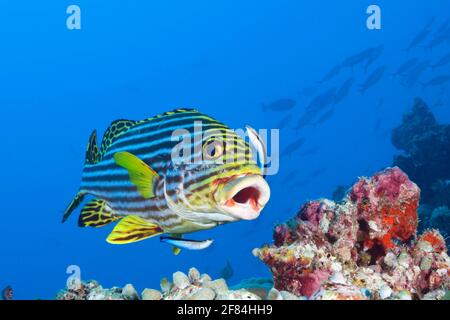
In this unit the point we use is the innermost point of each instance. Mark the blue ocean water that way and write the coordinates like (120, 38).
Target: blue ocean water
(136, 59)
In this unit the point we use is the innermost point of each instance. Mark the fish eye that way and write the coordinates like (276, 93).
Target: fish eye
(213, 149)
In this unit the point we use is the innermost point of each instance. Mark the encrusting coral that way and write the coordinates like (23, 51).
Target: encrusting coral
(364, 247)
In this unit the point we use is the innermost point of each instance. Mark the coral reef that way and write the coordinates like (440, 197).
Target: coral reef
(192, 286)
(364, 247)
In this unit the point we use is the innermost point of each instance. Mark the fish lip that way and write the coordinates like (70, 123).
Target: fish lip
(243, 197)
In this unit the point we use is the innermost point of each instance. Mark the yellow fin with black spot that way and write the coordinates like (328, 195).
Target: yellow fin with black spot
(141, 175)
(97, 213)
(132, 229)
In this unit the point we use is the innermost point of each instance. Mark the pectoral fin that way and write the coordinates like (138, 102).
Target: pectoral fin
(141, 175)
(132, 229)
(97, 213)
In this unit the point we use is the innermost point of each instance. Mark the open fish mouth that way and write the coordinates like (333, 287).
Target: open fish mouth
(243, 197)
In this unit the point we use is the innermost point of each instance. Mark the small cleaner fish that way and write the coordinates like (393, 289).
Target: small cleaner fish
(179, 243)
(136, 178)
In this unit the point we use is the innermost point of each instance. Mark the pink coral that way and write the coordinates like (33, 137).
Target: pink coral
(282, 234)
(361, 242)
(388, 204)
(312, 212)
(311, 282)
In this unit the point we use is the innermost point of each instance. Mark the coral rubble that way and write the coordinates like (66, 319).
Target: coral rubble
(364, 247)
(192, 286)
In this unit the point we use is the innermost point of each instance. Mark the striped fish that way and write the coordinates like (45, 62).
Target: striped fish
(175, 173)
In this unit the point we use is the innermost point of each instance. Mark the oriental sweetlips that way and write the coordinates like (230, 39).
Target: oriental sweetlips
(176, 173)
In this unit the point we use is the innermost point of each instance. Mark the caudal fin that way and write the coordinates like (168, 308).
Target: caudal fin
(92, 157)
(77, 200)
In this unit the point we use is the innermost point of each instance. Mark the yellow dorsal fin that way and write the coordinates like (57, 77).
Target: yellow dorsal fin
(132, 229)
(141, 175)
(97, 213)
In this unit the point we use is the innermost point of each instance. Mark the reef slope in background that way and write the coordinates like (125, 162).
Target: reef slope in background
(364, 247)
(425, 146)
(426, 153)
